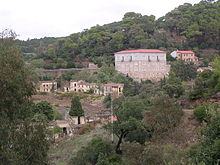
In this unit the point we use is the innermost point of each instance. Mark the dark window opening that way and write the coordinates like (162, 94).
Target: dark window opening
(65, 130)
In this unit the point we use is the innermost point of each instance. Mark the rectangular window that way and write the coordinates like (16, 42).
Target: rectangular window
(122, 60)
(130, 59)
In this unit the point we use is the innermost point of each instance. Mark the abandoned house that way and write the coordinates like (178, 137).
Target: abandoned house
(47, 86)
(98, 89)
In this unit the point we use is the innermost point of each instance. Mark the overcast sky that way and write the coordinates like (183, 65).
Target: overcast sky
(56, 18)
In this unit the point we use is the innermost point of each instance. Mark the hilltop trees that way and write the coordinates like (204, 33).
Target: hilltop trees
(76, 108)
(186, 27)
(23, 138)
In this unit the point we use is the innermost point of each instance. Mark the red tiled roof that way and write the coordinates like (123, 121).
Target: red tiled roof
(185, 52)
(141, 51)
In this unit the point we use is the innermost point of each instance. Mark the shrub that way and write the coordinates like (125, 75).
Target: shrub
(206, 111)
(90, 153)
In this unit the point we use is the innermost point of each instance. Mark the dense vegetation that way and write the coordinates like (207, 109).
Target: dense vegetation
(23, 134)
(146, 114)
(186, 27)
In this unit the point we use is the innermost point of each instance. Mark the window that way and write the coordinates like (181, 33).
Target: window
(122, 60)
(157, 58)
(148, 58)
(130, 58)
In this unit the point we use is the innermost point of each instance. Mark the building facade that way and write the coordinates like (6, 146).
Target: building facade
(98, 89)
(47, 86)
(187, 56)
(113, 89)
(142, 64)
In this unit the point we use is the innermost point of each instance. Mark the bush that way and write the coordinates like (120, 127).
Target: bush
(206, 111)
(90, 153)
(107, 101)
(208, 150)
(200, 113)
(86, 128)
(164, 155)
(45, 108)
(163, 116)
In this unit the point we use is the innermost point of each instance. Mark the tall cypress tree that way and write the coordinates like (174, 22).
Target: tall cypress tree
(76, 108)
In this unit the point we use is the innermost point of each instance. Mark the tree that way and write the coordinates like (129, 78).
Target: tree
(129, 124)
(23, 137)
(205, 85)
(216, 66)
(45, 108)
(184, 71)
(107, 101)
(207, 151)
(17, 81)
(172, 86)
(163, 116)
(76, 108)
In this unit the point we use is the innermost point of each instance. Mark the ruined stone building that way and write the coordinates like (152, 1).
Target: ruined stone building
(142, 64)
(187, 56)
(98, 89)
(47, 86)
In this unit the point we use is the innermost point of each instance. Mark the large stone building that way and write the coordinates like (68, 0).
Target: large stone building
(142, 64)
(187, 56)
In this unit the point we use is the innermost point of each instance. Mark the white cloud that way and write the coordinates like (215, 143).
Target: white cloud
(39, 18)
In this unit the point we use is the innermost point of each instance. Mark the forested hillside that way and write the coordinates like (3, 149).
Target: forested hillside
(186, 27)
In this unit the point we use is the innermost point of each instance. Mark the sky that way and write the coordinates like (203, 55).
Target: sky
(59, 18)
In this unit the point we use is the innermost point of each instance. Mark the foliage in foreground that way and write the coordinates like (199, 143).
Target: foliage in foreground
(23, 137)
(207, 151)
(90, 154)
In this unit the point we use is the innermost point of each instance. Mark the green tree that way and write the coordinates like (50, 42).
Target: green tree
(163, 116)
(45, 108)
(184, 71)
(172, 86)
(23, 137)
(129, 125)
(216, 66)
(107, 101)
(208, 150)
(205, 85)
(17, 80)
(76, 108)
